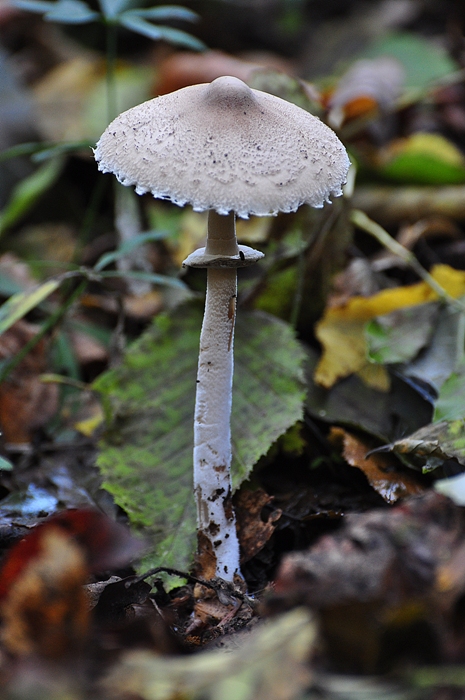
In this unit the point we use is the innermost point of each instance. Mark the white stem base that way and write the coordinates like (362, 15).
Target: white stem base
(212, 432)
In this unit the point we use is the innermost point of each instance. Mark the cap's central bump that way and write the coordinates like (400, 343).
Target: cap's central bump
(230, 93)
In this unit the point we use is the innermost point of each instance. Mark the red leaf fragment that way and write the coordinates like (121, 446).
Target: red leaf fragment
(43, 605)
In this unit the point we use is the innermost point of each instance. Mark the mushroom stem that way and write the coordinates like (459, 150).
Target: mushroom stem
(212, 431)
(221, 238)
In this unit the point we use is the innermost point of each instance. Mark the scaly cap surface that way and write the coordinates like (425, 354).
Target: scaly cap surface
(227, 147)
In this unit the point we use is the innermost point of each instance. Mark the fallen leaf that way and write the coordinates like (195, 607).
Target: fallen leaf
(43, 605)
(433, 226)
(424, 61)
(87, 349)
(270, 664)
(46, 612)
(382, 414)
(389, 204)
(381, 471)
(368, 85)
(52, 242)
(254, 532)
(450, 403)
(453, 488)
(374, 585)
(423, 158)
(435, 443)
(186, 68)
(71, 97)
(281, 83)
(399, 336)
(15, 275)
(441, 359)
(88, 426)
(341, 330)
(216, 610)
(146, 454)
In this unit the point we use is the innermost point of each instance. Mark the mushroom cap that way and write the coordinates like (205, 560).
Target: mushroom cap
(227, 147)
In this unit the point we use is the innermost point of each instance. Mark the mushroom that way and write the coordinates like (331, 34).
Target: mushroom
(231, 150)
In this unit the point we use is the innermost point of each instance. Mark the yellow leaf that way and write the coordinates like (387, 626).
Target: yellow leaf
(432, 144)
(344, 348)
(341, 329)
(376, 376)
(88, 426)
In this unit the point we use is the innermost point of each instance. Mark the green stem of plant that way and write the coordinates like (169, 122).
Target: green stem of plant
(111, 41)
(299, 290)
(360, 219)
(48, 325)
(90, 216)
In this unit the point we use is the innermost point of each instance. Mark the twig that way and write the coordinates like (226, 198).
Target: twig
(360, 219)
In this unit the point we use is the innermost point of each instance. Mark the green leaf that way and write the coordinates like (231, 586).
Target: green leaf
(164, 13)
(146, 456)
(43, 150)
(435, 443)
(28, 191)
(127, 247)
(71, 12)
(112, 8)
(21, 149)
(453, 488)
(400, 335)
(424, 158)
(445, 352)
(158, 33)
(450, 404)
(33, 5)
(20, 304)
(424, 61)
(5, 465)
(58, 149)
(268, 391)
(65, 355)
(151, 277)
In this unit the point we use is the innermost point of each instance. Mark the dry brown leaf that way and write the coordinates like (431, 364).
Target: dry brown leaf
(87, 349)
(26, 403)
(185, 68)
(254, 532)
(375, 584)
(380, 469)
(141, 308)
